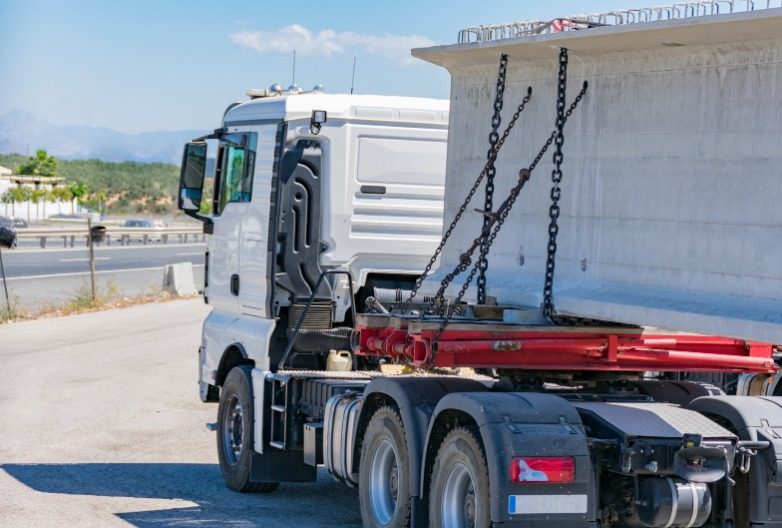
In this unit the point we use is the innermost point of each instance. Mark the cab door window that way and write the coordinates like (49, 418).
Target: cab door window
(236, 164)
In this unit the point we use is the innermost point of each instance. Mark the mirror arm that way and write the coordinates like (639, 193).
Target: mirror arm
(220, 134)
(205, 220)
(217, 134)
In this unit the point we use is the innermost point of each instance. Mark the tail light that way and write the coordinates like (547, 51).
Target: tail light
(543, 469)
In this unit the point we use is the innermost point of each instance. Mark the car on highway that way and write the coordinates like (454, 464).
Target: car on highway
(7, 233)
(146, 228)
(143, 222)
(66, 216)
(133, 222)
(19, 222)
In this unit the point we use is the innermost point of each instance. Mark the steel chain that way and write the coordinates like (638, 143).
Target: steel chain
(491, 172)
(499, 219)
(502, 212)
(556, 192)
(438, 298)
(448, 232)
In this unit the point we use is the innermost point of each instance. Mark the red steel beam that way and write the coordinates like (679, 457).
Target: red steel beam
(568, 349)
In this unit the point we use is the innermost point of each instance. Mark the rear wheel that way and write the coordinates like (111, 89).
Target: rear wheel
(459, 495)
(384, 481)
(235, 433)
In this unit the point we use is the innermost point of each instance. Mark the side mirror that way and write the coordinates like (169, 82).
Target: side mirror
(191, 177)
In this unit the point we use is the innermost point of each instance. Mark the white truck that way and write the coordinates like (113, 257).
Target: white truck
(579, 410)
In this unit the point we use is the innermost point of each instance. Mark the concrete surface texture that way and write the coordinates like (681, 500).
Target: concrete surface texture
(101, 425)
(672, 167)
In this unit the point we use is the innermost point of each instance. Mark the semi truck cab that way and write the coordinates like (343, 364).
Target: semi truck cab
(307, 183)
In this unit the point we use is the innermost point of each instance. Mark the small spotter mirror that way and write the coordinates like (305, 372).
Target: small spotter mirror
(317, 120)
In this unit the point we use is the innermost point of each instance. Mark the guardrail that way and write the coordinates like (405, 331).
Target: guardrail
(120, 235)
(687, 9)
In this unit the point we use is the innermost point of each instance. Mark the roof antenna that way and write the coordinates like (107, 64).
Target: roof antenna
(293, 76)
(353, 78)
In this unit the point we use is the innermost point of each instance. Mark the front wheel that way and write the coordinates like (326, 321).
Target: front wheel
(459, 495)
(235, 433)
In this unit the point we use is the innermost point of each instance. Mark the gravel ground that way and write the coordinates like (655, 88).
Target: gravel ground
(101, 425)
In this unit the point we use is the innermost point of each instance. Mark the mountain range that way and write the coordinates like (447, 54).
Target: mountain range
(22, 132)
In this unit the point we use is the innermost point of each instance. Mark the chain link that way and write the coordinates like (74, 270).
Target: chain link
(466, 257)
(448, 232)
(491, 172)
(465, 260)
(556, 192)
(498, 219)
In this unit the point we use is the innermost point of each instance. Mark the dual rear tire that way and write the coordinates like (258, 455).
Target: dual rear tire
(384, 474)
(459, 491)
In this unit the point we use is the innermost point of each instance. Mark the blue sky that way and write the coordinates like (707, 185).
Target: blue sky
(172, 65)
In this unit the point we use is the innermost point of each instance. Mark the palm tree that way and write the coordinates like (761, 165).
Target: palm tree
(36, 197)
(41, 164)
(78, 192)
(19, 195)
(60, 195)
(7, 198)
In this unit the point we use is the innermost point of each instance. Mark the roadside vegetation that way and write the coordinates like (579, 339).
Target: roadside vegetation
(107, 187)
(119, 188)
(82, 302)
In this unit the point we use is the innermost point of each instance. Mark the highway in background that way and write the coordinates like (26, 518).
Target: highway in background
(46, 262)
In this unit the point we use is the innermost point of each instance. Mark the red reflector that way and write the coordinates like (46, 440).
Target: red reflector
(543, 469)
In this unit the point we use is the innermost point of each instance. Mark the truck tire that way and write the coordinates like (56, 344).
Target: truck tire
(384, 479)
(235, 433)
(459, 493)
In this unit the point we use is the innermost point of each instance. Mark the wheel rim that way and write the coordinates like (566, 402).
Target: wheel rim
(233, 430)
(459, 506)
(384, 482)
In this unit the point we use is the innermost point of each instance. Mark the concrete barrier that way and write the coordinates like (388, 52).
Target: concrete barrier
(178, 279)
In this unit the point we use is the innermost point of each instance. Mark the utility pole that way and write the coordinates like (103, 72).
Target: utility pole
(92, 256)
(5, 287)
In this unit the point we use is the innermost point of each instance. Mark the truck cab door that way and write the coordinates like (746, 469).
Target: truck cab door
(233, 192)
(254, 256)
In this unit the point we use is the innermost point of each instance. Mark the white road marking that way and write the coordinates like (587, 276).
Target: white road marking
(103, 247)
(75, 274)
(83, 259)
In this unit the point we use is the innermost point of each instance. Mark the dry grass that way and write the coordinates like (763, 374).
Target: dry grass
(82, 302)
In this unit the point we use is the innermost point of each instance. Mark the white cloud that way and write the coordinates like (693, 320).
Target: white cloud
(329, 42)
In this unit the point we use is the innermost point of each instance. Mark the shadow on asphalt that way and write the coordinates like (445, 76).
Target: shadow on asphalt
(325, 503)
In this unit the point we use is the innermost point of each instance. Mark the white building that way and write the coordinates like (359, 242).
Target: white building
(29, 210)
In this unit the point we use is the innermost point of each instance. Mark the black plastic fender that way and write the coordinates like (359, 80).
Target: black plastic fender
(416, 398)
(755, 418)
(531, 424)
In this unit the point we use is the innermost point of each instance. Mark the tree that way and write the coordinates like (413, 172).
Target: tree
(7, 198)
(41, 164)
(37, 196)
(78, 192)
(96, 200)
(17, 195)
(60, 195)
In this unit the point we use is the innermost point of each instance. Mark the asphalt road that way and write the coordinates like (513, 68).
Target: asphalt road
(100, 425)
(37, 262)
